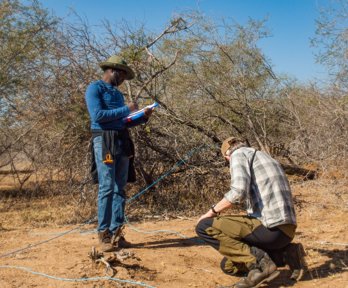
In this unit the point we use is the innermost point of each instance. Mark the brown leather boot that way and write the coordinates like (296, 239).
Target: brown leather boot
(118, 240)
(105, 241)
(264, 271)
(294, 257)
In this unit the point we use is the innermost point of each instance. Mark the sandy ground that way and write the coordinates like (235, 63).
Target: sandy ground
(165, 259)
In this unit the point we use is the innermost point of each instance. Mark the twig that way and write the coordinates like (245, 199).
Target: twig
(107, 264)
(155, 75)
(173, 28)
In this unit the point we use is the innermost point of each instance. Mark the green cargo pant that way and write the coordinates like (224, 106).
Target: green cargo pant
(243, 241)
(226, 234)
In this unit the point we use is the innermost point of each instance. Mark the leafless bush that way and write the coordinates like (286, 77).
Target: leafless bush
(209, 86)
(318, 127)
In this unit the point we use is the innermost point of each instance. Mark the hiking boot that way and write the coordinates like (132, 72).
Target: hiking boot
(264, 272)
(118, 240)
(105, 241)
(294, 257)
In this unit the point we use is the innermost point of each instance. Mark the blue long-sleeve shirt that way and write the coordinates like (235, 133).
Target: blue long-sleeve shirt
(106, 106)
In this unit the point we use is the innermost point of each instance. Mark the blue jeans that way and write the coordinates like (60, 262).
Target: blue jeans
(112, 181)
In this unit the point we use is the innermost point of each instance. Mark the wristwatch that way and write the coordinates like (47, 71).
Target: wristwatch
(213, 209)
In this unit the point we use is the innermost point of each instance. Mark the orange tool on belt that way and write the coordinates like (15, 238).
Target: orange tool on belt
(108, 159)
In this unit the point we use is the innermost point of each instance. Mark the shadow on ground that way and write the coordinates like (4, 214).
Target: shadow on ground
(170, 243)
(336, 264)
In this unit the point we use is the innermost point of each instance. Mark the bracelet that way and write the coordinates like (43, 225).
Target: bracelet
(214, 211)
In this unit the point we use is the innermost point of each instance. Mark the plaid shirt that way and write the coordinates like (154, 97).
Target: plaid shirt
(264, 188)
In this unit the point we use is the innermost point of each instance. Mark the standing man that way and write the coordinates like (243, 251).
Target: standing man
(111, 147)
(249, 243)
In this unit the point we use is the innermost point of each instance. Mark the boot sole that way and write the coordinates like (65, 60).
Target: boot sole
(274, 275)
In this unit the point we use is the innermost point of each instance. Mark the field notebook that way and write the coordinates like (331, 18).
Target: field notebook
(138, 117)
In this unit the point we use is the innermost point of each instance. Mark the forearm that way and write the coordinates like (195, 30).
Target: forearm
(222, 205)
(101, 116)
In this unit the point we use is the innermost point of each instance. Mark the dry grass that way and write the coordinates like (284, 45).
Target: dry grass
(36, 207)
(42, 212)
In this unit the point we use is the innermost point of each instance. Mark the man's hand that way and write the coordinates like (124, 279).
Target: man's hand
(148, 112)
(209, 214)
(219, 207)
(133, 106)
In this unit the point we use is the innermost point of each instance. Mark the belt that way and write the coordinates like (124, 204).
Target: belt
(118, 133)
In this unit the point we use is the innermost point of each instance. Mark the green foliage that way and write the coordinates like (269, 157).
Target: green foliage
(25, 36)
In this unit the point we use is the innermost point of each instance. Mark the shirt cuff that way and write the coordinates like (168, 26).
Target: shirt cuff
(233, 197)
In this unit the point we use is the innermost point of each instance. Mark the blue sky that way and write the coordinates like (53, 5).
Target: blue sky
(291, 23)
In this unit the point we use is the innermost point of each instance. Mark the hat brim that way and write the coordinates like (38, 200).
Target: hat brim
(227, 143)
(129, 72)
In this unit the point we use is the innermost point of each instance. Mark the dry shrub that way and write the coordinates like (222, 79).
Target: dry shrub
(209, 85)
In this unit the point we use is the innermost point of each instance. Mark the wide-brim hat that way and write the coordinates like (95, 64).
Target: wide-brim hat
(230, 141)
(116, 62)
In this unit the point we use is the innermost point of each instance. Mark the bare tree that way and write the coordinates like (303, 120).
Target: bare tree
(332, 41)
(210, 79)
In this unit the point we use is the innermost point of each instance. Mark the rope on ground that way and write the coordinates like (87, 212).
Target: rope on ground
(47, 240)
(76, 279)
(132, 227)
(331, 243)
(177, 164)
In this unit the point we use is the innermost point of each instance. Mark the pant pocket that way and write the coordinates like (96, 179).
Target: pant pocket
(236, 227)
